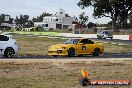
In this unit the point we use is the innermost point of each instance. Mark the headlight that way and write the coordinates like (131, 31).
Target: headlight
(63, 47)
(59, 49)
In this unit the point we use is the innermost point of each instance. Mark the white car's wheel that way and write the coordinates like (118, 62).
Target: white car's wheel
(9, 52)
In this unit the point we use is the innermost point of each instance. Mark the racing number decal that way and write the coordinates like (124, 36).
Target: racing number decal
(83, 47)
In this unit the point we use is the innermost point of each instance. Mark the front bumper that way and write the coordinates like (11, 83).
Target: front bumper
(57, 52)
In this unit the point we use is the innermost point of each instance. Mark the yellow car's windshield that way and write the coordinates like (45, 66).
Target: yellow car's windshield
(71, 41)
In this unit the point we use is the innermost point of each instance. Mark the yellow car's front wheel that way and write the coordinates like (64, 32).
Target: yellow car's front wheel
(71, 52)
(55, 55)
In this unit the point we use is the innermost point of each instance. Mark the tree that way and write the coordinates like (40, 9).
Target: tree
(2, 17)
(83, 18)
(16, 20)
(34, 19)
(75, 19)
(29, 24)
(2, 20)
(40, 18)
(117, 10)
(109, 24)
(90, 25)
(22, 20)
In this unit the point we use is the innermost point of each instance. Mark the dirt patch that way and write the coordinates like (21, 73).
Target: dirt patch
(60, 73)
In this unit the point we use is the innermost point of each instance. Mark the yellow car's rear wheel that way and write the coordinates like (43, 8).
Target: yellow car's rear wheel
(96, 52)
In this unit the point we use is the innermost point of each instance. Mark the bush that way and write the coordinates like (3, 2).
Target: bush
(69, 29)
(33, 29)
(37, 29)
(51, 29)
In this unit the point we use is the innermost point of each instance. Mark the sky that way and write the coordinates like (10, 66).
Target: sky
(34, 8)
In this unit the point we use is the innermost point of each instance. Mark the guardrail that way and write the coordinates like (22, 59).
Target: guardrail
(121, 37)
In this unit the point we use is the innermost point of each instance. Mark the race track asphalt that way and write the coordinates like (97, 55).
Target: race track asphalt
(103, 56)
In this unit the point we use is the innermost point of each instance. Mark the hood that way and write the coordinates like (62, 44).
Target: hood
(57, 46)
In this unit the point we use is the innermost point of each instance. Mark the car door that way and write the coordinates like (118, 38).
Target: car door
(90, 47)
(87, 46)
(83, 46)
(77, 46)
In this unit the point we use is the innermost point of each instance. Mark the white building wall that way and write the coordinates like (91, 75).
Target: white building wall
(67, 21)
(53, 19)
(58, 18)
(52, 26)
(38, 24)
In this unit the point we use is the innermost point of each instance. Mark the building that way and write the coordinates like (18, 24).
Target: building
(58, 21)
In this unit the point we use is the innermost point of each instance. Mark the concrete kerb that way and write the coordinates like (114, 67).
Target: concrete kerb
(121, 44)
(107, 42)
(113, 43)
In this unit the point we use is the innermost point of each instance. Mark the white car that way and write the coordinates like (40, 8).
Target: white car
(8, 46)
(104, 34)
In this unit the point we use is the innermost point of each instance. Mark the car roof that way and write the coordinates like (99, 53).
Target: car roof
(7, 35)
(79, 38)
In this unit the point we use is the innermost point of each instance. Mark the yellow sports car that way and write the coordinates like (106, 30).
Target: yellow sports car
(78, 47)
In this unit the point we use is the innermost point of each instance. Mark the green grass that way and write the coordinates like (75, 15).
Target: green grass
(126, 46)
(39, 45)
(39, 33)
(113, 48)
(35, 45)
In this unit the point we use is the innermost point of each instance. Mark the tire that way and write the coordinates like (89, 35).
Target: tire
(9, 52)
(80, 55)
(98, 37)
(96, 52)
(55, 55)
(71, 52)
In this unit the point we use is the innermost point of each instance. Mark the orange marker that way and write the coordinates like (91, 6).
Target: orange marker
(85, 81)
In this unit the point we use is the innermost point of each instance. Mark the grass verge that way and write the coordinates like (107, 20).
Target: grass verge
(38, 33)
(60, 73)
(34, 45)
